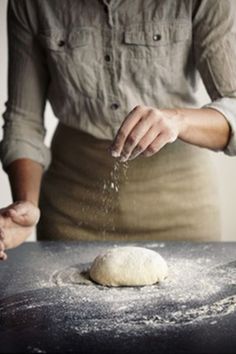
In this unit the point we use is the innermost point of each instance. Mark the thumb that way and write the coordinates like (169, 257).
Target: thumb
(25, 214)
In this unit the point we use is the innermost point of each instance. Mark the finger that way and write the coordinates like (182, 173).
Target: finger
(147, 140)
(140, 130)
(2, 247)
(23, 213)
(2, 234)
(3, 256)
(17, 218)
(128, 124)
(25, 208)
(21, 208)
(27, 219)
(156, 145)
(2, 221)
(19, 212)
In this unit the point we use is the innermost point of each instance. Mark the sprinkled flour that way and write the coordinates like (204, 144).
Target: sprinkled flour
(199, 292)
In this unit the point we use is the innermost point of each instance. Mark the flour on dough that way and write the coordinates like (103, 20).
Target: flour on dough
(128, 266)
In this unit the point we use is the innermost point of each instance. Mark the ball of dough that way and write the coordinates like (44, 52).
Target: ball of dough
(128, 266)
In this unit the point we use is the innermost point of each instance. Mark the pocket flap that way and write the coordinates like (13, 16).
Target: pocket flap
(60, 40)
(79, 38)
(158, 35)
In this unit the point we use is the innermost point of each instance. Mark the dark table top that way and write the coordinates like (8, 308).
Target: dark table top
(47, 306)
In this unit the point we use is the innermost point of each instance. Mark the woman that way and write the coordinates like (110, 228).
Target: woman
(122, 81)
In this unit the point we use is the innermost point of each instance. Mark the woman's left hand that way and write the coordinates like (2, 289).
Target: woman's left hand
(17, 222)
(145, 131)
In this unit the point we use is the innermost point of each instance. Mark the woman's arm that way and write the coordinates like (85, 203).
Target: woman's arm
(204, 127)
(18, 220)
(22, 150)
(146, 129)
(25, 179)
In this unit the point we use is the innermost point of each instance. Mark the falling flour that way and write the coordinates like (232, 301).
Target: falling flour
(110, 191)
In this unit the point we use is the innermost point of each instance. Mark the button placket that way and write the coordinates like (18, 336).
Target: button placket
(115, 105)
(109, 59)
(108, 12)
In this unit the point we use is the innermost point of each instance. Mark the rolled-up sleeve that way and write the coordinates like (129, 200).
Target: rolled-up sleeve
(215, 55)
(28, 79)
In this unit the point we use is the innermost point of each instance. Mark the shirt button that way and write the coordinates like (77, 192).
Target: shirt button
(61, 43)
(107, 57)
(156, 37)
(114, 106)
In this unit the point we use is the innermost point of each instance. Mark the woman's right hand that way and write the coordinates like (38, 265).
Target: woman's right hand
(17, 222)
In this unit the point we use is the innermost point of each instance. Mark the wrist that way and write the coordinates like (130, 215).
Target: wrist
(25, 179)
(178, 118)
(24, 199)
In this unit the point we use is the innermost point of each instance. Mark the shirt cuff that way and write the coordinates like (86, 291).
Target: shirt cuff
(23, 149)
(227, 107)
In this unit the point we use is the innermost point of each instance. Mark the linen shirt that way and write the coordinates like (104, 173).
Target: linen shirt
(95, 60)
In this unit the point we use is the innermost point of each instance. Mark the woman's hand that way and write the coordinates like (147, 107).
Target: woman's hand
(17, 222)
(145, 131)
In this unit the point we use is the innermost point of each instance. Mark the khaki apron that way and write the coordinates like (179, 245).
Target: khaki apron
(88, 195)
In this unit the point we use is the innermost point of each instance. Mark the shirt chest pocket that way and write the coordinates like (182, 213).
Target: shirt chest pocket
(156, 40)
(155, 55)
(73, 61)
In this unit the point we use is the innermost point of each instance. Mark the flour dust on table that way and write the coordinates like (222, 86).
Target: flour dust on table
(55, 304)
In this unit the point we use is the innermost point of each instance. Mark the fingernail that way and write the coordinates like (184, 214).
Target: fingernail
(115, 153)
(132, 157)
(3, 256)
(123, 159)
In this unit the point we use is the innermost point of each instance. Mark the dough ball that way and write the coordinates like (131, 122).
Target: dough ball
(128, 266)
